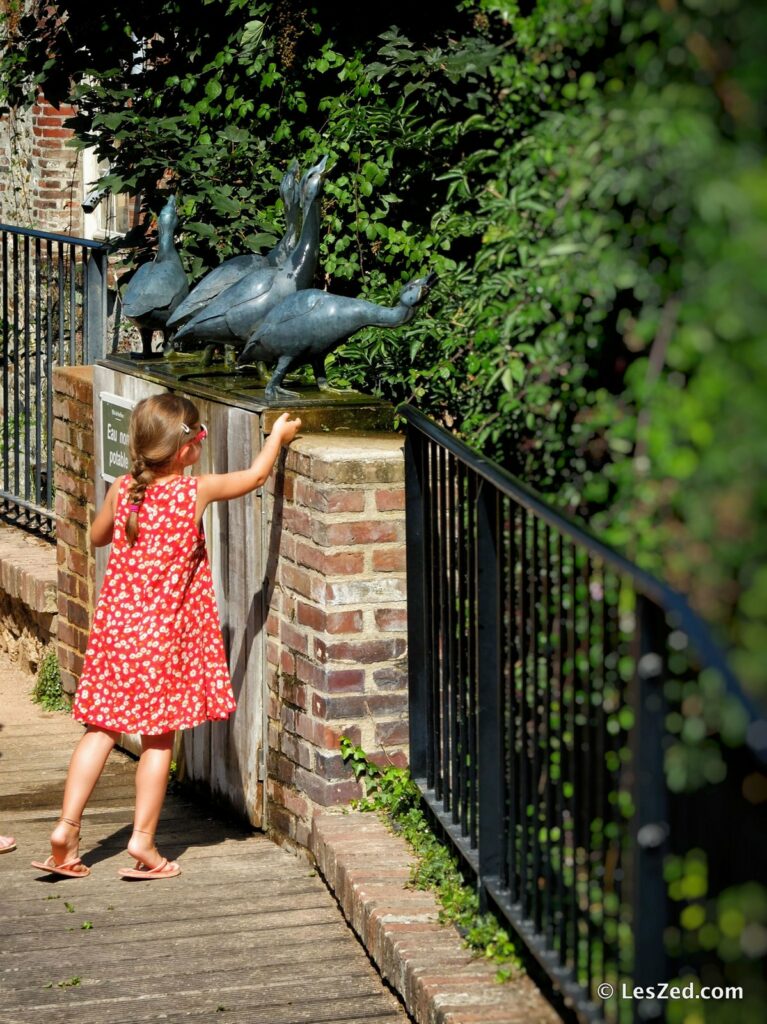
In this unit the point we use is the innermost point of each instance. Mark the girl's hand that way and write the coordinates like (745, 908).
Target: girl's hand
(285, 428)
(103, 525)
(225, 486)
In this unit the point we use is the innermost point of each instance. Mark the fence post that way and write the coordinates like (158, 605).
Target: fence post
(419, 675)
(94, 346)
(490, 722)
(651, 828)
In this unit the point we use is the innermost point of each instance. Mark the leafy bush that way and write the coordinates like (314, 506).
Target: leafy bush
(587, 179)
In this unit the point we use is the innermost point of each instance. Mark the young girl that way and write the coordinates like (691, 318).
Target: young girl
(155, 660)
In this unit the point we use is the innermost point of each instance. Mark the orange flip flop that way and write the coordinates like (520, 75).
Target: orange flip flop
(66, 869)
(142, 873)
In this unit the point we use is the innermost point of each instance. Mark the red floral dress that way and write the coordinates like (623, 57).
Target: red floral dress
(155, 660)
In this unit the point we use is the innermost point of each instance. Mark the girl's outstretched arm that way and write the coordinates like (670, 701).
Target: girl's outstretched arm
(104, 523)
(225, 486)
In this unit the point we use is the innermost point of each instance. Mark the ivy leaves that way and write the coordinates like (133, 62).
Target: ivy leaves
(569, 171)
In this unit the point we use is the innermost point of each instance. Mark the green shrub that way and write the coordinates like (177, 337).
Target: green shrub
(588, 180)
(48, 690)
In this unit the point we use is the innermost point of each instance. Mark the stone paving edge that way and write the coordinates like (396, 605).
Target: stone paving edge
(426, 963)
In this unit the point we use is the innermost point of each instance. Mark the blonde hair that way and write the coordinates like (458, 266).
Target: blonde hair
(156, 435)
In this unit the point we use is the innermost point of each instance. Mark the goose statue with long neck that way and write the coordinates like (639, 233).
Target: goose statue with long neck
(311, 323)
(231, 271)
(157, 288)
(236, 312)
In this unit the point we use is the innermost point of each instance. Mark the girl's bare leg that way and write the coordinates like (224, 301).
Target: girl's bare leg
(151, 784)
(88, 760)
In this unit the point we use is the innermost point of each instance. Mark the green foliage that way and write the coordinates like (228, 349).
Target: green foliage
(587, 179)
(174, 778)
(48, 690)
(215, 99)
(389, 789)
(392, 793)
(731, 925)
(74, 982)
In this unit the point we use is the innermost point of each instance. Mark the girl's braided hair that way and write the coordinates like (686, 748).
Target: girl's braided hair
(156, 436)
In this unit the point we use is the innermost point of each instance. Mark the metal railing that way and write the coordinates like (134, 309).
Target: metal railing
(53, 290)
(581, 740)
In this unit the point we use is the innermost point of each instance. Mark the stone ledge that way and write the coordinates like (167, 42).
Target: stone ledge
(28, 569)
(366, 459)
(425, 962)
(28, 596)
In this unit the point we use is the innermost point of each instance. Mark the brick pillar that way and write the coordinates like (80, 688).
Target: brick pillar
(75, 507)
(337, 624)
(56, 179)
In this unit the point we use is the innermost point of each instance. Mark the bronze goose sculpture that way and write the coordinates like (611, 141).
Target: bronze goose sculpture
(157, 288)
(311, 323)
(235, 313)
(231, 271)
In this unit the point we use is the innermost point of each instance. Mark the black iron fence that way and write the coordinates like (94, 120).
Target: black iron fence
(54, 302)
(583, 743)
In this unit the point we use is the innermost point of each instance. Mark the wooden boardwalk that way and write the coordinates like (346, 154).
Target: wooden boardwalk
(247, 933)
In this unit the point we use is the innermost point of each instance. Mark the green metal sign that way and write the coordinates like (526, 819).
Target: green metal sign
(115, 419)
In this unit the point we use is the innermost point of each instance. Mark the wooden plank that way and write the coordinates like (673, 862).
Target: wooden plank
(319, 944)
(192, 974)
(270, 986)
(22, 913)
(223, 1005)
(20, 904)
(78, 953)
(250, 737)
(245, 662)
(197, 742)
(223, 437)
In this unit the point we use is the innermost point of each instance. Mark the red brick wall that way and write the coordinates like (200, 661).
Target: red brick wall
(336, 630)
(75, 506)
(58, 188)
(41, 179)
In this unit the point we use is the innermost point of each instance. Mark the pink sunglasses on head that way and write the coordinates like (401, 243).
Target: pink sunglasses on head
(199, 437)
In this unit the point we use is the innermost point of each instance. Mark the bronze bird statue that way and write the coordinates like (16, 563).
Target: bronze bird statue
(157, 288)
(231, 271)
(235, 313)
(311, 323)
